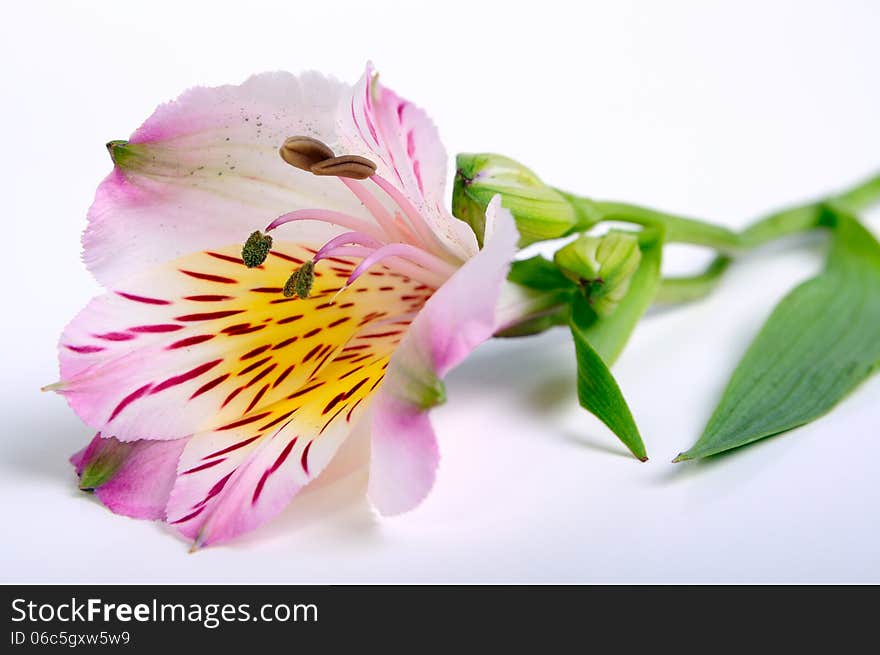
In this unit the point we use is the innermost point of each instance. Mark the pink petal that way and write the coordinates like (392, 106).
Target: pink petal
(134, 478)
(200, 342)
(457, 318)
(403, 141)
(203, 171)
(214, 502)
(232, 480)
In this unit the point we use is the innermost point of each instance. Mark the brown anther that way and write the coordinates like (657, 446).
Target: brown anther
(358, 168)
(303, 152)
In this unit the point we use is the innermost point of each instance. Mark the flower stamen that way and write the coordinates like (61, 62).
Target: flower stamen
(418, 223)
(256, 249)
(431, 263)
(300, 281)
(339, 219)
(303, 152)
(345, 166)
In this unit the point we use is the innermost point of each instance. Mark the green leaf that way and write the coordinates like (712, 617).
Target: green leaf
(820, 342)
(598, 392)
(609, 334)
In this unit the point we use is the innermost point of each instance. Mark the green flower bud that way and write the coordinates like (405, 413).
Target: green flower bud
(603, 267)
(541, 212)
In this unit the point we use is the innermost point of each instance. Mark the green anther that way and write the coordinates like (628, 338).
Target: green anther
(300, 281)
(256, 249)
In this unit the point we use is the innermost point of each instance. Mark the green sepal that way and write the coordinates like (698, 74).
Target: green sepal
(104, 461)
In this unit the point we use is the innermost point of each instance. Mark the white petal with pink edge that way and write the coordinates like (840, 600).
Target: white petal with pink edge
(457, 318)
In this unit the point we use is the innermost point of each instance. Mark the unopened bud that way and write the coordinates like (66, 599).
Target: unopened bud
(603, 267)
(541, 212)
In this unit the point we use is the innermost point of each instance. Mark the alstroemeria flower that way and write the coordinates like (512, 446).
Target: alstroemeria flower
(217, 397)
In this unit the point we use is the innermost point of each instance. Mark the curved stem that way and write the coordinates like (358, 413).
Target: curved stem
(779, 224)
(687, 289)
(678, 229)
(682, 229)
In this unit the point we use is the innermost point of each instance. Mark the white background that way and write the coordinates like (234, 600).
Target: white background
(722, 110)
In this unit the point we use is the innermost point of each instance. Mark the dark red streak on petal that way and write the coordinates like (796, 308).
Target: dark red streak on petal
(259, 377)
(256, 351)
(323, 356)
(209, 385)
(269, 471)
(331, 419)
(353, 407)
(190, 341)
(208, 297)
(311, 333)
(304, 460)
(254, 366)
(130, 398)
(257, 398)
(235, 331)
(304, 391)
(208, 316)
(85, 350)
(274, 422)
(286, 342)
(143, 299)
(283, 375)
(244, 421)
(202, 467)
(354, 389)
(160, 327)
(225, 258)
(380, 335)
(231, 396)
(336, 400)
(189, 516)
(351, 372)
(287, 258)
(267, 290)
(115, 336)
(344, 262)
(289, 319)
(339, 321)
(313, 352)
(185, 377)
(216, 489)
(229, 449)
(208, 277)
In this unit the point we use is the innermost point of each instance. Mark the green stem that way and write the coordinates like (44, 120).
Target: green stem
(729, 244)
(674, 290)
(682, 229)
(677, 229)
